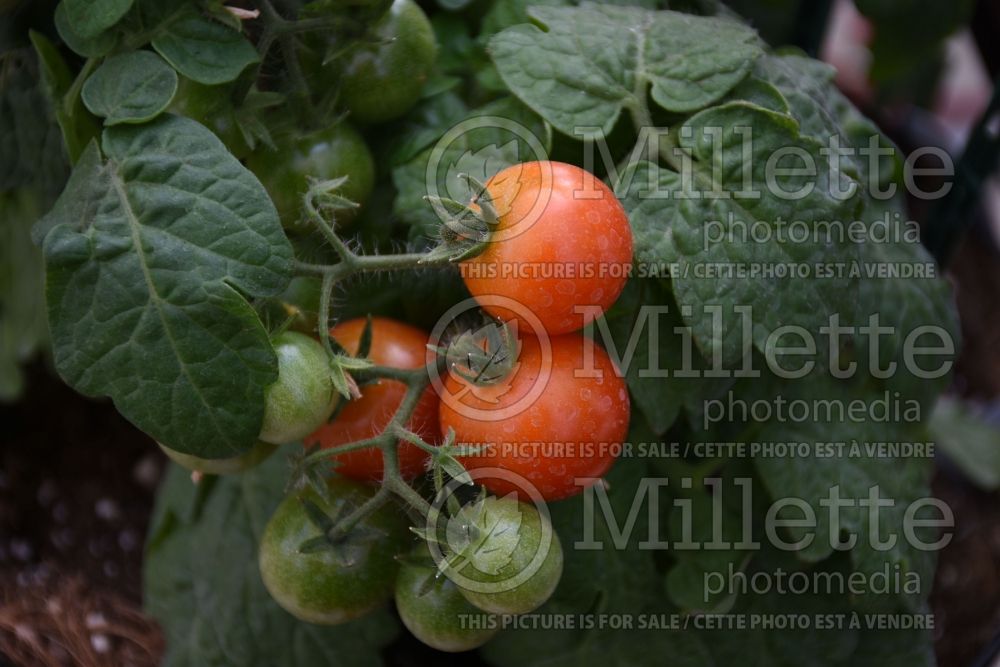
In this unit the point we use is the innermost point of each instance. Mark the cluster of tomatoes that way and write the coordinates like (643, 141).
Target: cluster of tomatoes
(563, 389)
(508, 560)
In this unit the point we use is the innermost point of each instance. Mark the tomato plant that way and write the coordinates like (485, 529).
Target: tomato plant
(344, 580)
(432, 607)
(303, 395)
(573, 429)
(394, 345)
(561, 242)
(245, 186)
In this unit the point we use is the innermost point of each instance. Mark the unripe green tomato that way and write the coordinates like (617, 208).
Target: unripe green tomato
(513, 532)
(303, 397)
(366, 8)
(435, 611)
(253, 456)
(332, 586)
(298, 305)
(382, 77)
(212, 107)
(330, 153)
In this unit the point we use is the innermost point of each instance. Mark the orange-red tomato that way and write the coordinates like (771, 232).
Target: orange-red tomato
(562, 241)
(396, 345)
(547, 421)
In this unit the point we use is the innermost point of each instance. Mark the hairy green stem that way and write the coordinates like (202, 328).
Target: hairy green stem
(409, 495)
(345, 524)
(323, 317)
(413, 438)
(329, 452)
(352, 263)
(387, 441)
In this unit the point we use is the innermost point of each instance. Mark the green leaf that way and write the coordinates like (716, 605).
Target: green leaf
(424, 125)
(822, 111)
(145, 253)
(658, 398)
(686, 582)
(894, 648)
(77, 126)
(854, 470)
(453, 5)
(23, 329)
(202, 583)
(697, 227)
(89, 18)
(904, 302)
(93, 46)
(591, 62)
(31, 148)
(506, 13)
(785, 646)
(971, 441)
(203, 50)
(130, 88)
(853, 644)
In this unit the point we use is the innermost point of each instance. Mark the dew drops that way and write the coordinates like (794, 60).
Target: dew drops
(566, 287)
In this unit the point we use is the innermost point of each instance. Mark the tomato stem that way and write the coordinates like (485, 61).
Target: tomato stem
(416, 380)
(345, 524)
(344, 448)
(323, 317)
(411, 437)
(352, 263)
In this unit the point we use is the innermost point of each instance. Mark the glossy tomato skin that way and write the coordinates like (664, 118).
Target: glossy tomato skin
(228, 466)
(396, 345)
(434, 610)
(383, 76)
(303, 396)
(335, 151)
(325, 586)
(572, 429)
(563, 241)
(519, 563)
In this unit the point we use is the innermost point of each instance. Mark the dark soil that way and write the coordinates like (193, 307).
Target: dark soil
(76, 489)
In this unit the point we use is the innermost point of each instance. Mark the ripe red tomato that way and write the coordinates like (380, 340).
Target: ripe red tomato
(563, 240)
(546, 421)
(397, 345)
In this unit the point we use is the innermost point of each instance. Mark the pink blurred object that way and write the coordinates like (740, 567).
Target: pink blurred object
(963, 91)
(845, 46)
